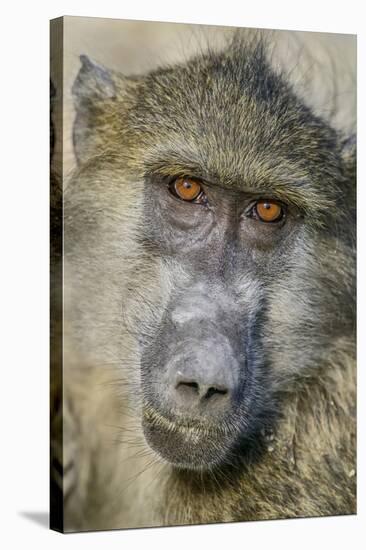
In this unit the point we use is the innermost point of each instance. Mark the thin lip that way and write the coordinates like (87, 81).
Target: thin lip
(151, 416)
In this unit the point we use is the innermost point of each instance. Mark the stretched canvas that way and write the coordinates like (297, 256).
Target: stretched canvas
(202, 274)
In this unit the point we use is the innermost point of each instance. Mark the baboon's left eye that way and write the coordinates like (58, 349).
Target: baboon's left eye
(187, 189)
(268, 211)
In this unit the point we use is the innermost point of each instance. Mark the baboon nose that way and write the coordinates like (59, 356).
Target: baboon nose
(195, 395)
(193, 390)
(203, 379)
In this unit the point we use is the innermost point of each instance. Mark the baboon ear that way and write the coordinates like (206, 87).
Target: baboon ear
(94, 89)
(349, 147)
(93, 82)
(349, 153)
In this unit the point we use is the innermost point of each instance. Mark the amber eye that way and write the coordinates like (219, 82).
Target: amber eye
(269, 211)
(187, 189)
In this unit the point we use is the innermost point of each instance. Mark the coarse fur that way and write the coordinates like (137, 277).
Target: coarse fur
(280, 300)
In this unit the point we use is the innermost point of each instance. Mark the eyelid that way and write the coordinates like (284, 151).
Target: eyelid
(172, 187)
(251, 211)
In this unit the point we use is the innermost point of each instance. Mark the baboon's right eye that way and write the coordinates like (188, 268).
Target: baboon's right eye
(187, 189)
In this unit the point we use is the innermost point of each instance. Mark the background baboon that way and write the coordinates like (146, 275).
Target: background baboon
(209, 307)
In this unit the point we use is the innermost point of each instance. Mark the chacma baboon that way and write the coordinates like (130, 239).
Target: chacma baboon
(209, 302)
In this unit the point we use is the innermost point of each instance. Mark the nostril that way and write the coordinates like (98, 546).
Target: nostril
(214, 391)
(184, 385)
(194, 392)
(189, 388)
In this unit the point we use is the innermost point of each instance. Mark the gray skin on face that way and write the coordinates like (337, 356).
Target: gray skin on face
(202, 371)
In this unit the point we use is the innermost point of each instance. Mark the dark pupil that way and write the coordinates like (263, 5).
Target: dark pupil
(187, 185)
(267, 206)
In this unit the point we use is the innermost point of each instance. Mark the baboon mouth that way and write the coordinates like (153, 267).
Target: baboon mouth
(189, 445)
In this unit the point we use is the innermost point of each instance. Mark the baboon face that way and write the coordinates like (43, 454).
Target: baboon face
(206, 369)
(244, 208)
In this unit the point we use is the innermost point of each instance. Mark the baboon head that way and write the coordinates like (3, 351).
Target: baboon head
(220, 209)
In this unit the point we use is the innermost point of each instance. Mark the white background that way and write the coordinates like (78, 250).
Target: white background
(24, 274)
